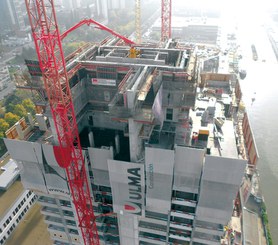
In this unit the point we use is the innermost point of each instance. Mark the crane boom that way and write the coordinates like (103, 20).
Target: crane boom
(100, 26)
(48, 45)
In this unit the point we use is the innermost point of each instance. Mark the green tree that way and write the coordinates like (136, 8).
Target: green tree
(2, 111)
(20, 110)
(15, 98)
(4, 126)
(11, 118)
(29, 106)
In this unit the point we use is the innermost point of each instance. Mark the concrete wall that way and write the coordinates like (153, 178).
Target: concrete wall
(188, 168)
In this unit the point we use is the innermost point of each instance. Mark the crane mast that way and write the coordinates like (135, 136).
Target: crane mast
(166, 13)
(48, 45)
(138, 21)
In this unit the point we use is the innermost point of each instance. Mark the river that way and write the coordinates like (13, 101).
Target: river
(261, 83)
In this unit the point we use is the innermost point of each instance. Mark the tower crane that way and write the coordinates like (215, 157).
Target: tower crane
(48, 44)
(166, 14)
(68, 153)
(138, 21)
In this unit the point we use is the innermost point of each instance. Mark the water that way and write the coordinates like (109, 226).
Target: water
(261, 83)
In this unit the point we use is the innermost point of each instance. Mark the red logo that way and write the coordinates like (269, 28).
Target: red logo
(132, 208)
(129, 208)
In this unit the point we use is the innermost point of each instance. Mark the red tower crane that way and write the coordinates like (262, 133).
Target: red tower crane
(166, 14)
(48, 45)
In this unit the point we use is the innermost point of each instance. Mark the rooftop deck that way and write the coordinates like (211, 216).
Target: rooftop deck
(31, 230)
(7, 198)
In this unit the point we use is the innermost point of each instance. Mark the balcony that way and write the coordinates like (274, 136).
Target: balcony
(68, 215)
(50, 211)
(182, 215)
(65, 205)
(150, 240)
(71, 224)
(180, 226)
(209, 230)
(52, 220)
(56, 228)
(152, 230)
(46, 201)
(179, 238)
(205, 241)
(154, 221)
(184, 202)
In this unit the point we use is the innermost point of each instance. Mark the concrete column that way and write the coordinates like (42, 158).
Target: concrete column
(30, 119)
(117, 143)
(91, 139)
(134, 140)
(19, 131)
(53, 130)
(41, 121)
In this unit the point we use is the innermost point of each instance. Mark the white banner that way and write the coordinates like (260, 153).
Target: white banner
(128, 185)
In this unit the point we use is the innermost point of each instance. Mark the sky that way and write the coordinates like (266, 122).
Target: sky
(245, 7)
(229, 4)
(246, 11)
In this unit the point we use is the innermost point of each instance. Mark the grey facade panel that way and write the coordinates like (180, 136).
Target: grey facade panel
(224, 170)
(188, 168)
(101, 177)
(39, 167)
(159, 179)
(21, 150)
(220, 183)
(99, 157)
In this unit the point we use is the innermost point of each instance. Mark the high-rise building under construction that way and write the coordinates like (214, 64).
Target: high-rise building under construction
(160, 152)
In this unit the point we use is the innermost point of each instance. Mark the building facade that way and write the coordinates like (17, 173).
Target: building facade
(160, 152)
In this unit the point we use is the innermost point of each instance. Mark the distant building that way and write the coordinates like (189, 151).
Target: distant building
(4, 76)
(194, 30)
(102, 8)
(12, 15)
(117, 4)
(71, 4)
